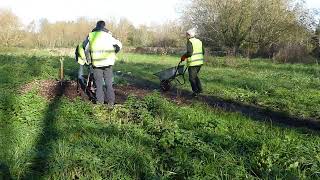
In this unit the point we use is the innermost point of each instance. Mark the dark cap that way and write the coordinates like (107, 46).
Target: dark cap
(100, 24)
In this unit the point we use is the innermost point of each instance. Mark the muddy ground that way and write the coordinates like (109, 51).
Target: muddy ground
(50, 89)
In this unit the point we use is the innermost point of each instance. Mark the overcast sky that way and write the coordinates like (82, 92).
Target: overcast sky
(137, 11)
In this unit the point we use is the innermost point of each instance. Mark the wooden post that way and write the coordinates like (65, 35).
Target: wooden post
(61, 70)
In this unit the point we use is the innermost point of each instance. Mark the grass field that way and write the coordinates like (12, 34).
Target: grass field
(154, 138)
(287, 88)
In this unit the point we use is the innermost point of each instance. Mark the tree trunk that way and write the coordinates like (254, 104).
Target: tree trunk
(235, 50)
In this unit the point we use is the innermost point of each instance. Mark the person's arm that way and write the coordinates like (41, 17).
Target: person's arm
(76, 54)
(86, 45)
(203, 50)
(117, 45)
(189, 50)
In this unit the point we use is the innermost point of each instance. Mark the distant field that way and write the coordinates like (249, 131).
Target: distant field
(154, 138)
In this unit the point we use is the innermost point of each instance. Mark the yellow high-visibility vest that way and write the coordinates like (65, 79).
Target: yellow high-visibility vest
(101, 50)
(197, 57)
(82, 57)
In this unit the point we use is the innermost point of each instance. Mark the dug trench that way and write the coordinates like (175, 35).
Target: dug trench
(50, 89)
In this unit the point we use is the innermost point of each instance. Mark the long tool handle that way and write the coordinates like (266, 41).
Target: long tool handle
(86, 89)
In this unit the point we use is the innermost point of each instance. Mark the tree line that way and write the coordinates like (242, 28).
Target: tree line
(43, 34)
(284, 30)
(280, 29)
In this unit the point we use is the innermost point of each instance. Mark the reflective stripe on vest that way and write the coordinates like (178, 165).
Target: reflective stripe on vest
(101, 50)
(197, 57)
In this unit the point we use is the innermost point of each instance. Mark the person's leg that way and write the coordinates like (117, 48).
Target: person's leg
(198, 83)
(192, 78)
(81, 81)
(98, 77)
(108, 74)
(80, 72)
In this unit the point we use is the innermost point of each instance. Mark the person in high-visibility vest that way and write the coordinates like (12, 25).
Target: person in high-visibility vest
(80, 58)
(195, 59)
(100, 50)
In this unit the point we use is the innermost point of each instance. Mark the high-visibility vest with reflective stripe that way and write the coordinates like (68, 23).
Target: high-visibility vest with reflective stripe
(197, 56)
(81, 55)
(101, 50)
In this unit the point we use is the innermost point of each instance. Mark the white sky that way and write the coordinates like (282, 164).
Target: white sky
(313, 4)
(137, 11)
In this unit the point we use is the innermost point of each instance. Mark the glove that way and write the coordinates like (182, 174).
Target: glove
(183, 58)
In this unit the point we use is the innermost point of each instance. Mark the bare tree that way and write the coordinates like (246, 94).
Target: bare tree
(222, 23)
(11, 33)
(239, 25)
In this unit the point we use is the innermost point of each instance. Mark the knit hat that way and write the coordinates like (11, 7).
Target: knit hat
(192, 32)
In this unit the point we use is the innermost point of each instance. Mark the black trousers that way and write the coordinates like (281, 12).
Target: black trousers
(194, 79)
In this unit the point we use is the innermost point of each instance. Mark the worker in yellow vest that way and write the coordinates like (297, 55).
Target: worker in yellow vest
(80, 58)
(195, 59)
(100, 50)
(83, 83)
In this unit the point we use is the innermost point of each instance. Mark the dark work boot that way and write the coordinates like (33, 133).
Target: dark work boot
(194, 94)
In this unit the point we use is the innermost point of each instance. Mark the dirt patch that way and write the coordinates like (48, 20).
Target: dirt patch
(50, 89)
(123, 91)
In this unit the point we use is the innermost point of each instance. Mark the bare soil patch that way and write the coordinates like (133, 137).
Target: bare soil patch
(49, 89)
